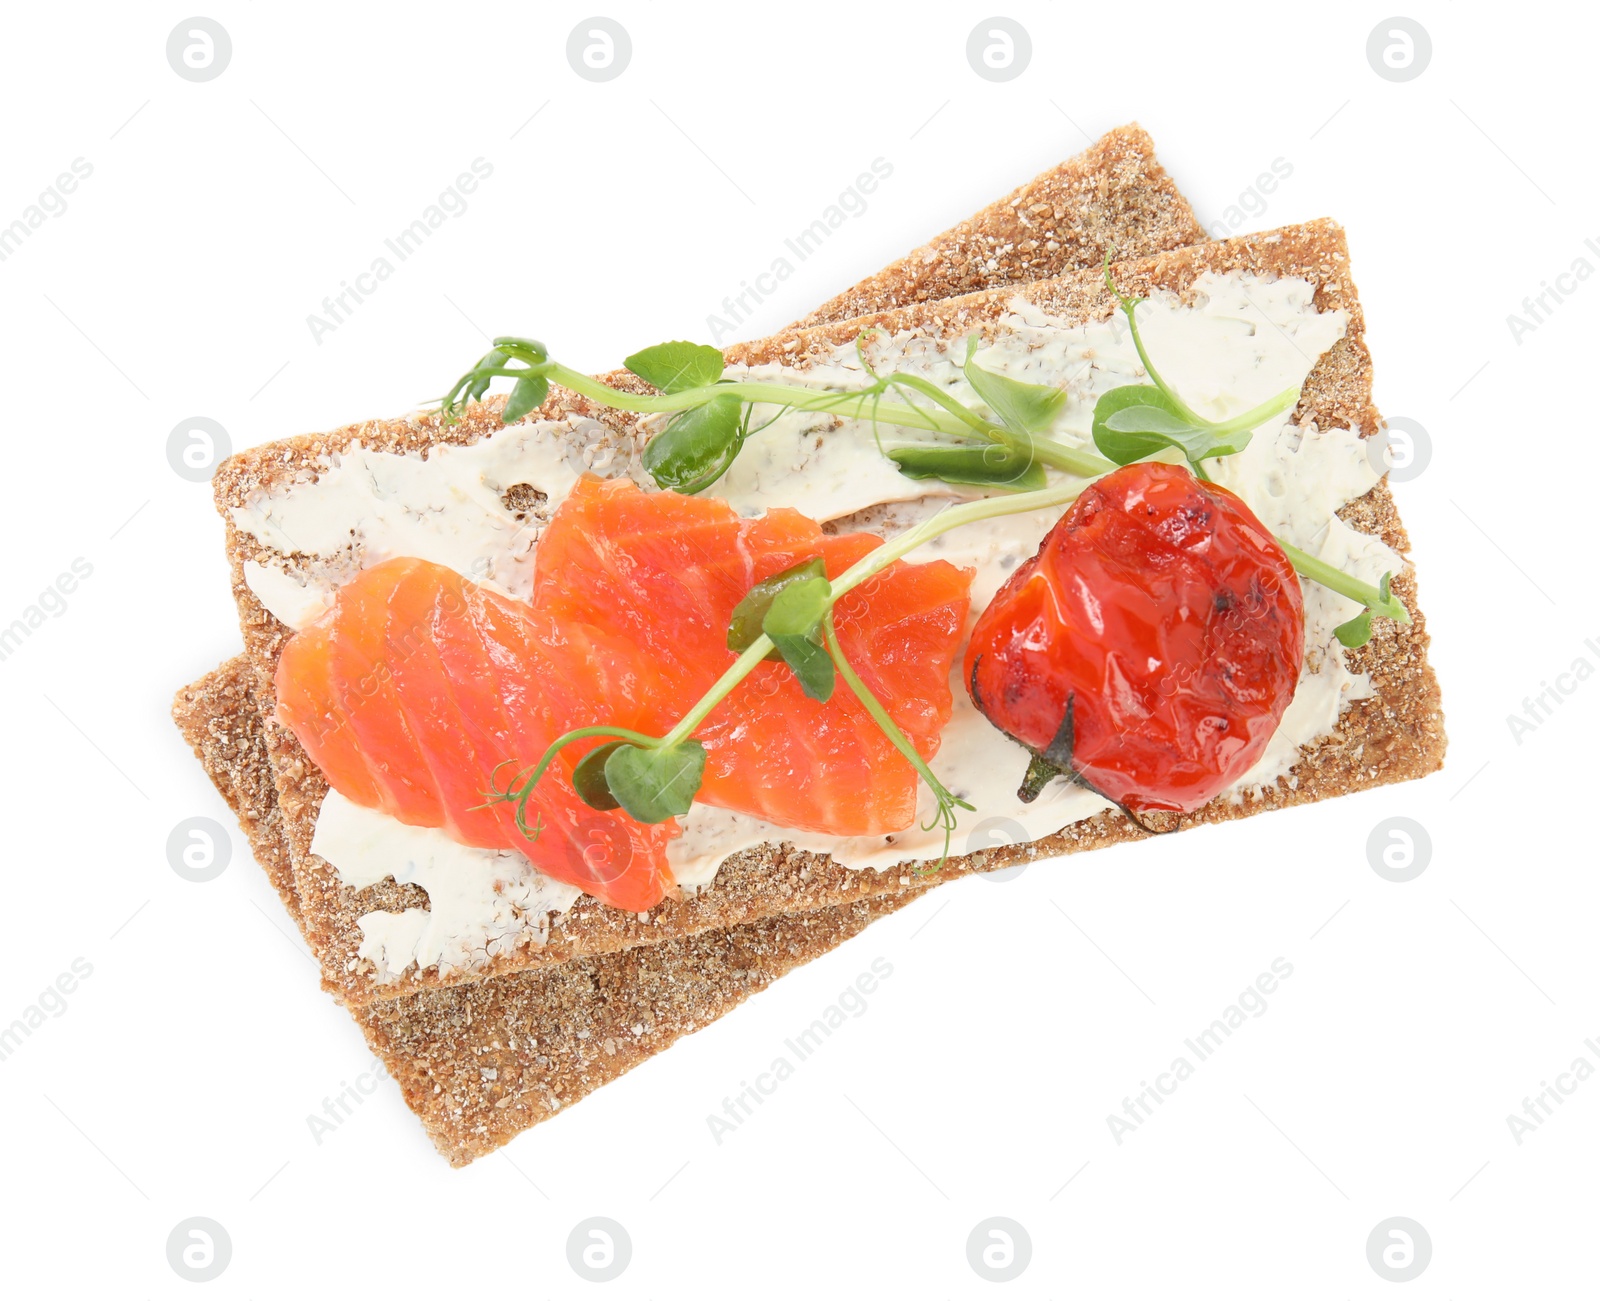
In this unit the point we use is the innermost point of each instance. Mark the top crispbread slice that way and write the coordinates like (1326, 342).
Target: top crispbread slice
(1397, 734)
(1114, 190)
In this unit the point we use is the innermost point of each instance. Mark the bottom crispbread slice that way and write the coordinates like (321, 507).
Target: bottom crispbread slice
(481, 1063)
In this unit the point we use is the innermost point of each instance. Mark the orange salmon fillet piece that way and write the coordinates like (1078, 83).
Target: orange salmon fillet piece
(667, 570)
(419, 692)
(418, 684)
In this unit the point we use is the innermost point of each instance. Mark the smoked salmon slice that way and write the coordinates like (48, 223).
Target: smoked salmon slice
(667, 570)
(418, 684)
(418, 692)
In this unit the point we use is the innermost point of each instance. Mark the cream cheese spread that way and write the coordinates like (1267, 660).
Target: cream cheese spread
(1240, 341)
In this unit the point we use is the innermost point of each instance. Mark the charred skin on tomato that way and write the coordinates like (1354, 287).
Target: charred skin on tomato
(1152, 645)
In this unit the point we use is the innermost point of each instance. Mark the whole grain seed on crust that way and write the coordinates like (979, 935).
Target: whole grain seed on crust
(1402, 721)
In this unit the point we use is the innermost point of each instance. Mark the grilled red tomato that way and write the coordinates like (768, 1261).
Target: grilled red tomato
(1150, 647)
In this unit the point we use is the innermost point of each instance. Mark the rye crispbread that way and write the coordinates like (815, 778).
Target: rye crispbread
(1395, 735)
(433, 1042)
(480, 1063)
(1114, 191)
(436, 1046)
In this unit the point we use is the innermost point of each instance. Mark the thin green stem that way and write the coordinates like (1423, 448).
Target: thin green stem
(519, 795)
(565, 739)
(876, 560)
(1322, 572)
(863, 404)
(891, 729)
(1183, 408)
(1273, 406)
(735, 673)
(952, 517)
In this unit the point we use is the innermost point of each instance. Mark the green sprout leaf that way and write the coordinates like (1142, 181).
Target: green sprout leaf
(1139, 420)
(745, 624)
(794, 622)
(674, 367)
(1021, 407)
(995, 465)
(1125, 448)
(1357, 632)
(479, 384)
(652, 784)
(589, 778)
(528, 394)
(695, 450)
(529, 350)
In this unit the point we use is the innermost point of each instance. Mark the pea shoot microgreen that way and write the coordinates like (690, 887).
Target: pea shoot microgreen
(1006, 444)
(749, 616)
(945, 803)
(1358, 631)
(1136, 420)
(793, 623)
(654, 778)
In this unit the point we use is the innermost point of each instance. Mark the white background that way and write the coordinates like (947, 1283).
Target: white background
(1019, 1015)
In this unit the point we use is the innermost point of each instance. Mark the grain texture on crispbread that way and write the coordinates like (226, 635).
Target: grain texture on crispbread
(1114, 191)
(220, 717)
(1394, 735)
(221, 720)
(480, 1063)
(1119, 198)
(1374, 515)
